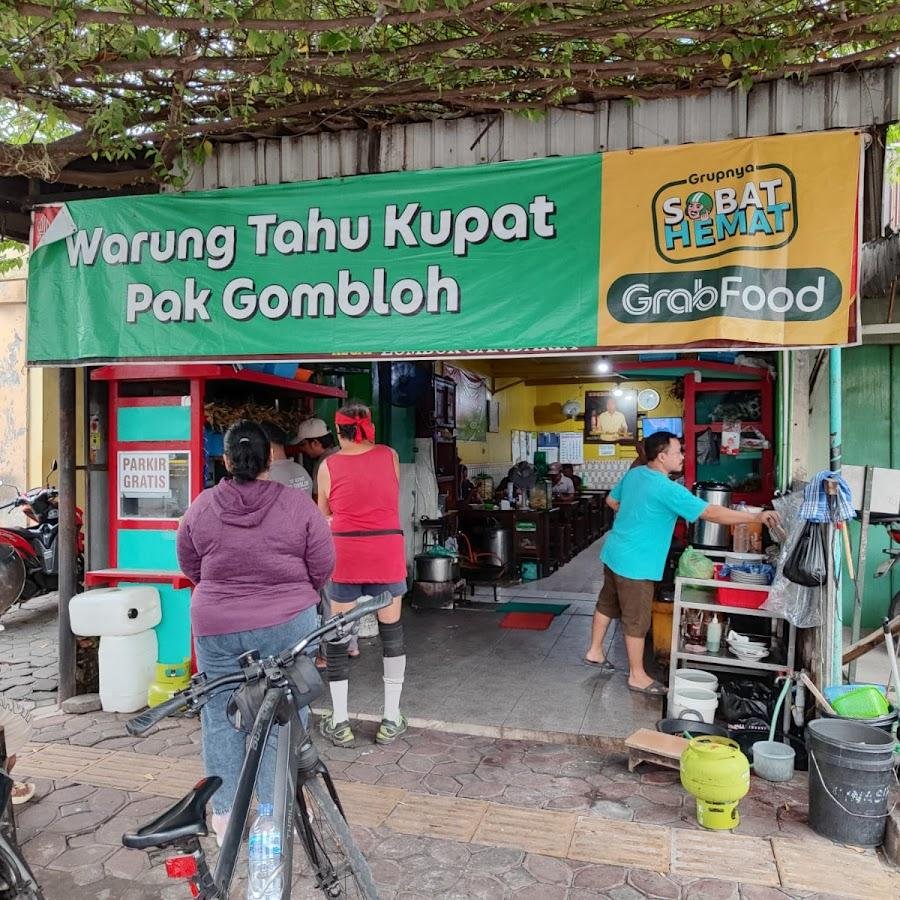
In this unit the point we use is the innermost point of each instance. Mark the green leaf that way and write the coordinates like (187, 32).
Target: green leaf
(726, 60)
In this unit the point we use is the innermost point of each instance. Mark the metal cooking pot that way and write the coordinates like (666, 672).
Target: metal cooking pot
(436, 568)
(498, 542)
(709, 535)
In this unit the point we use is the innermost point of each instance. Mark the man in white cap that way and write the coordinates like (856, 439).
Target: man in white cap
(315, 442)
(563, 486)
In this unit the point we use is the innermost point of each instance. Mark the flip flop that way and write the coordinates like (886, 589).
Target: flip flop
(605, 667)
(654, 689)
(22, 792)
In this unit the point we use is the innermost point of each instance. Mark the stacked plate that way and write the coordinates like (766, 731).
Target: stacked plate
(747, 649)
(740, 577)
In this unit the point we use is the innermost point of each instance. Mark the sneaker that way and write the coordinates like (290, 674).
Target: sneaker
(338, 733)
(390, 731)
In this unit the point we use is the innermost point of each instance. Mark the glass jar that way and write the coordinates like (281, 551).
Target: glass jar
(541, 495)
(484, 485)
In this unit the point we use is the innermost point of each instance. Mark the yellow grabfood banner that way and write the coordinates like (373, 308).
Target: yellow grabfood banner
(739, 242)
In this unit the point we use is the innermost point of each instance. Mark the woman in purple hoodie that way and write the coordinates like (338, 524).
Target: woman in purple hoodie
(258, 552)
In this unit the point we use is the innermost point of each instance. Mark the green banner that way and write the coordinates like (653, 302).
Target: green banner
(500, 257)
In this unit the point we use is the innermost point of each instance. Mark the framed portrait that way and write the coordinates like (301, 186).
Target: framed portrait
(610, 417)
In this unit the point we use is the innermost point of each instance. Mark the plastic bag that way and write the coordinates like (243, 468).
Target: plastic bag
(693, 564)
(745, 699)
(707, 448)
(801, 606)
(807, 563)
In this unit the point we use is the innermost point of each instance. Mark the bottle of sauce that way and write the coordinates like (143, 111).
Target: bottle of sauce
(714, 635)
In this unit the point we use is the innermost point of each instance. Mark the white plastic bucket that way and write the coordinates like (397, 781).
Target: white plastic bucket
(697, 699)
(127, 669)
(696, 678)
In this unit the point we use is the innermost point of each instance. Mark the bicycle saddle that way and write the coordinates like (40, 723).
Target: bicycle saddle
(186, 819)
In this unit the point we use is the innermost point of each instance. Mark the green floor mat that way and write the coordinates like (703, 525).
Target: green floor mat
(554, 609)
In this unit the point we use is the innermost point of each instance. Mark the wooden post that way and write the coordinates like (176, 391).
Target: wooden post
(67, 530)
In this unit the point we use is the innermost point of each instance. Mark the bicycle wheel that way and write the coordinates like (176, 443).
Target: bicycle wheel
(342, 869)
(15, 883)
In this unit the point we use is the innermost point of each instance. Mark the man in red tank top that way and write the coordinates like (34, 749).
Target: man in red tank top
(359, 492)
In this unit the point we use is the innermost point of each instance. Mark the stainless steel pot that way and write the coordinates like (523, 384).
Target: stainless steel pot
(436, 568)
(498, 543)
(709, 535)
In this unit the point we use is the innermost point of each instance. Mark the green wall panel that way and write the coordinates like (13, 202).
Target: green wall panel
(871, 436)
(149, 549)
(154, 423)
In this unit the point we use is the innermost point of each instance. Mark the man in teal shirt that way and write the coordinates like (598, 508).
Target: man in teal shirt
(647, 504)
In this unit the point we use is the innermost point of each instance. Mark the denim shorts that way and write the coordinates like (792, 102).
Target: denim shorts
(340, 592)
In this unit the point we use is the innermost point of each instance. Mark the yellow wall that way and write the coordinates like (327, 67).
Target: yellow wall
(516, 414)
(43, 428)
(13, 392)
(518, 406)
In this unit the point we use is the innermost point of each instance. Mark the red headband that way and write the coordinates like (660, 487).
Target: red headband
(365, 430)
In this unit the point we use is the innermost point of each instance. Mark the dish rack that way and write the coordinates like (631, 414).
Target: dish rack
(701, 594)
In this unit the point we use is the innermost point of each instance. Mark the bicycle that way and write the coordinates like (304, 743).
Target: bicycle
(270, 691)
(17, 881)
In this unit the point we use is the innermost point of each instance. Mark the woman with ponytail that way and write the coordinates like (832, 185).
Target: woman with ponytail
(258, 552)
(359, 491)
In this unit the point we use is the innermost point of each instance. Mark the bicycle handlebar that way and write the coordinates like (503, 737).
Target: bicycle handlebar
(190, 697)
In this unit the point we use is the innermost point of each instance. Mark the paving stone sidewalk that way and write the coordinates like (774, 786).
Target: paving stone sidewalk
(72, 830)
(28, 653)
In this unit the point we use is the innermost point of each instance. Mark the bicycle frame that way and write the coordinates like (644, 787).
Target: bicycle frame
(297, 763)
(296, 760)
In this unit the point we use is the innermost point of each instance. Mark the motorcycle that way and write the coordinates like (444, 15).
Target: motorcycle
(893, 554)
(29, 556)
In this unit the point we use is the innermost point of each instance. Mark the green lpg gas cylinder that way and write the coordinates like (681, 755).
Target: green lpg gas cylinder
(714, 770)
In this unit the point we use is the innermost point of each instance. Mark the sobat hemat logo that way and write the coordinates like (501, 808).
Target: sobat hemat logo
(709, 214)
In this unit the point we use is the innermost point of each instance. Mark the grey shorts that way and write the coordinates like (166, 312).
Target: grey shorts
(340, 592)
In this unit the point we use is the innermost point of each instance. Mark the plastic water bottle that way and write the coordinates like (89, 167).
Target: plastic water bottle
(264, 853)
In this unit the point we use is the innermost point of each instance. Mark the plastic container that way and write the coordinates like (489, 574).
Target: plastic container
(529, 571)
(838, 690)
(737, 597)
(773, 760)
(168, 680)
(127, 666)
(115, 611)
(264, 862)
(698, 700)
(714, 635)
(862, 703)
(850, 778)
(696, 678)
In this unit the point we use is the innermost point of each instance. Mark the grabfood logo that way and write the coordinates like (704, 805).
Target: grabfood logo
(708, 214)
(766, 295)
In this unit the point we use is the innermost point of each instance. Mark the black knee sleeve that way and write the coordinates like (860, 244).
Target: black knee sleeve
(392, 643)
(338, 662)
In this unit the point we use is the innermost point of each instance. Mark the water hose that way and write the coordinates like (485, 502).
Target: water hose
(778, 703)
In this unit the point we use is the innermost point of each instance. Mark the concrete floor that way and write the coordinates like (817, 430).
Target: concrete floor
(465, 671)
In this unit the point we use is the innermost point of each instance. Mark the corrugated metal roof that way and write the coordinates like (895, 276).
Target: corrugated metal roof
(840, 100)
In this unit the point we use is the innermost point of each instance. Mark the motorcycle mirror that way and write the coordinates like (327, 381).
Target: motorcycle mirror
(53, 467)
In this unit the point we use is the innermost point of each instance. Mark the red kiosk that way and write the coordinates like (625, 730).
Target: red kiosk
(161, 456)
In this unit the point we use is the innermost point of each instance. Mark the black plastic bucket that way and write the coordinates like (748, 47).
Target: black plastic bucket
(850, 777)
(885, 722)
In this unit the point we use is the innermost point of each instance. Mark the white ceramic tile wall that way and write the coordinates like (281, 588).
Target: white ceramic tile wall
(600, 474)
